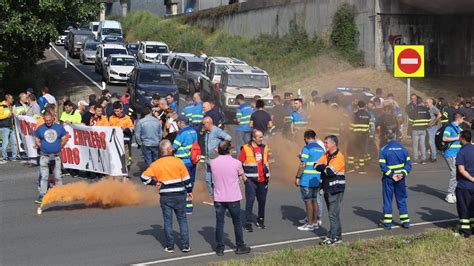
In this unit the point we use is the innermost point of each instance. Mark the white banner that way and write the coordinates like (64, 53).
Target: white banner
(25, 127)
(95, 149)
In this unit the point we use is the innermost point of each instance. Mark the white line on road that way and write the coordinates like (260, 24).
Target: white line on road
(409, 61)
(76, 68)
(284, 243)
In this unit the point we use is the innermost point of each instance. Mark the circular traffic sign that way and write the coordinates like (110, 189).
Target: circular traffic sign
(409, 61)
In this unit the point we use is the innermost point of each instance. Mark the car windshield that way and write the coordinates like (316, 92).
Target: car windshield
(112, 32)
(133, 47)
(110, 51)
(122, 61)
(91, 46)
(251, 81)
(219, 69)
(195, 66)
(82, 38)
(95, 27)
(65, 32)
(156, 78)
(156, 49)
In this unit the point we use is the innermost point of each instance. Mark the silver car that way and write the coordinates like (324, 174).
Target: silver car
(88, 51)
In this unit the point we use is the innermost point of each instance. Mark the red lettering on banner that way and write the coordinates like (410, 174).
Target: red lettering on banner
(70, 156)
(76, 137)
(27, 128)
(92, 139)
(102, 140)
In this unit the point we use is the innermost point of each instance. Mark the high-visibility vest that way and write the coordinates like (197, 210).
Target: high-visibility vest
(250, 164)
(361, 122)
(421, 118)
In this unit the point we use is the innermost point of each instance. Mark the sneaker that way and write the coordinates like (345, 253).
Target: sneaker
(186, 249)
(351, 170)
(337, 240)
(415, 162)
(405, 225)
(328, 242)
(40, 199)
(242, 250)
(306, 227)
(248, 228)
(260, 224)
(304, 221)
(169, 249)
(450, 198)
(219, 252)
(433, 160)
(386, 226)
(3, 161)
(362, 172)
(423, 162)
(315, 226)
(320, 222)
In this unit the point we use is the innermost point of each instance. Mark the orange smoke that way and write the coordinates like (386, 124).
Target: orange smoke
(106, 193)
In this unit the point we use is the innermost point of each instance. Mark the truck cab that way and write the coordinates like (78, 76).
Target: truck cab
(152, 52)
(246, 80)
(212, 70)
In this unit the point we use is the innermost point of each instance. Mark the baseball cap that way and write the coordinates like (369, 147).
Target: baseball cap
(182, 118)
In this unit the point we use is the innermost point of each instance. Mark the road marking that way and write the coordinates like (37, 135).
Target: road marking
(76, 68)
(409, 61)
(284, 243)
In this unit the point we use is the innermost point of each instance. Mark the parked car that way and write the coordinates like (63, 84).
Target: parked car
(147, 80)
(88, 50)
(247, 80)
(118, 68)
(148, 51)
(345, 97)
(187, 69)
(109, 28)
(75, 40)
(103, 51)
(94, 27)
(212, 71)
(61, 38)
(132, 48)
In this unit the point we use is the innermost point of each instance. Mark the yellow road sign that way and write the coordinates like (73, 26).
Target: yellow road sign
(409, 61)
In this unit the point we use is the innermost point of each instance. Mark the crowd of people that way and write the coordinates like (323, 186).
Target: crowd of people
(174, 140)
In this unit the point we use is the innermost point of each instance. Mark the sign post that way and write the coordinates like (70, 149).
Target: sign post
(65, 59)
(409, 62)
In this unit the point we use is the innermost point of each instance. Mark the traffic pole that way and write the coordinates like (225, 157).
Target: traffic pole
(103, 85)
(65, 59)
(408, 90)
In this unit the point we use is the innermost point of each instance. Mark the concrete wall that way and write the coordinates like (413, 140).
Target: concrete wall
(157, 6)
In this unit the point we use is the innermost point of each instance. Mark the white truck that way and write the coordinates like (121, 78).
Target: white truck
(152, 52)
(252, 82)
(211, 72)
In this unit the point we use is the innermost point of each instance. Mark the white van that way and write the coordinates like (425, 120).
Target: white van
(94, 27)
(109, 28)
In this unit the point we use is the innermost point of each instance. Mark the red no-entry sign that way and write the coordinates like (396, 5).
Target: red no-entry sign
(409, 61)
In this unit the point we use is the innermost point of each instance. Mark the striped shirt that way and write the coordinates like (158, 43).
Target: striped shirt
(171, 173)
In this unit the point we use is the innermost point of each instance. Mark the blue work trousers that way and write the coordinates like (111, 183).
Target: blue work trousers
(389, 188)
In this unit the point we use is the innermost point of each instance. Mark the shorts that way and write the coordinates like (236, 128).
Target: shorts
(309, 193)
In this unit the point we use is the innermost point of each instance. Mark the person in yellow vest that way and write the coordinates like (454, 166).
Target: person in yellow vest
(70, 114)
(6, 126)
(254, 158)
(21, 108)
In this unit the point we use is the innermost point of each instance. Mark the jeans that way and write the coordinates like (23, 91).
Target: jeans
(210, 189)
(418, 138)
(234, 211)
(150, 154)
(431, 135)
(451, 162)
(8, 134)
(255, 190)
(174, 203)
(44, 170)
(192, 172)
(333, 203)
(241, 139)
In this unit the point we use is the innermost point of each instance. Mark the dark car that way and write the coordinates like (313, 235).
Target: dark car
(132, 48)
(187, 69)
(147, 80)
(75, 40)
(114, 40)
(346, 96)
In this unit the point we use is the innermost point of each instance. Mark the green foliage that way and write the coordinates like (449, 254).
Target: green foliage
(29, 26)
(345, 36)
(274, 54)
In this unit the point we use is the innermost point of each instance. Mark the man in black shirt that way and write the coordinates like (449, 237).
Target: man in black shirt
(278, 113)
(260, 119)
(86, 117)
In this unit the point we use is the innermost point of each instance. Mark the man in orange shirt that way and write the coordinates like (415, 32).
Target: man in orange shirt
(119, 119)
(99, 119)
(171, 176)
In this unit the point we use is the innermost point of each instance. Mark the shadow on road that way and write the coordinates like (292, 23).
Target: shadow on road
(292, 214)
(157, 232)
(209, 235)
(435, 214)
(429, 190)
(371, 215)
(72, 207)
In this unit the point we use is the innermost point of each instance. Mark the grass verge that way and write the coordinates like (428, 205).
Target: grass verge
(434, 247)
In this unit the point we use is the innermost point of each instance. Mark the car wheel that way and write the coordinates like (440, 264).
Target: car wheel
(80, 60)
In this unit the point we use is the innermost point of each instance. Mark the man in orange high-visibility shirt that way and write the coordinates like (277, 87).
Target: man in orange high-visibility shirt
(119, 119)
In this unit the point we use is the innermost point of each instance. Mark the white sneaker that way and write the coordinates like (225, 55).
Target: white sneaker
(306, 227)
(450, 198)
(320, 223)
(3, 161)
(315, 226)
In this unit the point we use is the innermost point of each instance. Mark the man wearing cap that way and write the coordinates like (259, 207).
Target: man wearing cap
(148, 133)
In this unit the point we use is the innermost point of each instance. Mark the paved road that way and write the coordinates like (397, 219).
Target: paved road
(75, 235)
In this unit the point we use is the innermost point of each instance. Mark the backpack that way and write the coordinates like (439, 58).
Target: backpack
(440, 144)
(195, 153)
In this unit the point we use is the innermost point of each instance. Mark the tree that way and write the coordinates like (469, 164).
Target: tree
(28, 26)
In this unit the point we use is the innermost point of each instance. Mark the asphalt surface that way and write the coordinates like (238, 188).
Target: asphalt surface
(71, 234)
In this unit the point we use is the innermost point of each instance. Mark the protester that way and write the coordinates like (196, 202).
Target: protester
(148, 134)
(451, 136)
(6, 125)
(182, 145)
(242, 118)
(82, 107)
(298, 118)
(46, 98)
(119, 119)
(435, 117)
(260, 119)
(50, 138)
(420, 120)
(172, 103)
(465, 184)
(210, 109)
(188, 108)
(359, 129)
(255, 160)
(378, 94)
(33, 109)
(331, 166)
(227, 173)
(410, 110)
(87, 116)
(278, 114)
(387, 121)
(21, 108)
(169, 174)
(308, 180)
(197, 114)
(99, 119)
(70, 114)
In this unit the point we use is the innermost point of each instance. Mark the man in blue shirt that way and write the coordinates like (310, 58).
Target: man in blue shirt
(197, 113)
(308, 179)
(451, 136)
(172, 103)
(298, 117)
(50, 138)
(395, 165)
(242, 117)
(465, 185)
